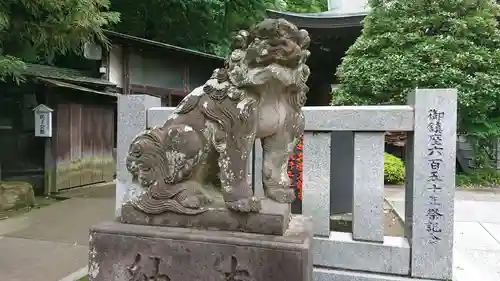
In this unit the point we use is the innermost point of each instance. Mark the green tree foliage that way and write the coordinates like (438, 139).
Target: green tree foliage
(204, 25)
(428, 44)
(305, 6)
(36, 31)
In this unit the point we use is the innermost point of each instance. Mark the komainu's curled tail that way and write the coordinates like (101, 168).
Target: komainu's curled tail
(158, 166)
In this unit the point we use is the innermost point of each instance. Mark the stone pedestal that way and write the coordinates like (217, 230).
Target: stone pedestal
(273, 219)
(126, 252)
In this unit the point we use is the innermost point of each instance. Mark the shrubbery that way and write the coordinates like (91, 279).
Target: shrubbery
(429, 44)
(394, 169)
(480, 178)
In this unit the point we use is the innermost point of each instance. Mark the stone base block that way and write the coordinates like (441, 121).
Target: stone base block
(324, 274)
(126, 252)
(273, 219)
(340, 250)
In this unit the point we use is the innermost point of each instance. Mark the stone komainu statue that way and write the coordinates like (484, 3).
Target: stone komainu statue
(200, 155)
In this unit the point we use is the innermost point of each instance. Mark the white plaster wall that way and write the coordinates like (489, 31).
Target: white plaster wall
(115, 65)
(332, 4)
(348, 6)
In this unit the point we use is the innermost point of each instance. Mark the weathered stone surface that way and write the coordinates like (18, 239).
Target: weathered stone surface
(324, 274)
(124, 252)
(340, 250)
(316, 194)
(430, 183)
(132, 110)
(208, 139)
(272, 219)
(368, 198)
(370, 118)
(16, 194)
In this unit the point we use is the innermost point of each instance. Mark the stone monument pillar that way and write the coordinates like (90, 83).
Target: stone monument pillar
(186, 210)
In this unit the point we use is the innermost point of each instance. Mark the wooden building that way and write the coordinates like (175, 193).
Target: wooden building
(141, 66)
(79, 152)
(81, 149)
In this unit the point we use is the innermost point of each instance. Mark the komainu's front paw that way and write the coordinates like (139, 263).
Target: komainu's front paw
(247, 205)
(191, 195)
(281, 195)
(192, 202)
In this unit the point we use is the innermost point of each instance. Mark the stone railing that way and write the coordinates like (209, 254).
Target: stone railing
(425, 251)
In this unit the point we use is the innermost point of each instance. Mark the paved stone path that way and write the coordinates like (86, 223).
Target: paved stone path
(50, 243)
(476, 235)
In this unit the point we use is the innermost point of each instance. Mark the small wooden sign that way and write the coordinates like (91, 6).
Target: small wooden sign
(43, 121)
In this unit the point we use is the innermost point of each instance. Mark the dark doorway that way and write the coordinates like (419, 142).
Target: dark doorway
(22, 155)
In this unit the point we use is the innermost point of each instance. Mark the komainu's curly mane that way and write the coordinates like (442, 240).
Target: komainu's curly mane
(270, 42)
